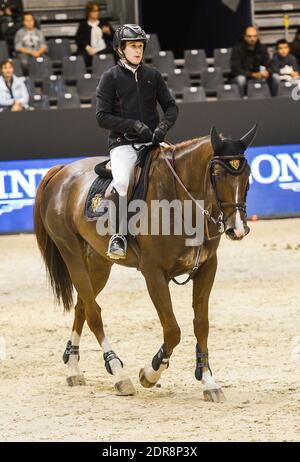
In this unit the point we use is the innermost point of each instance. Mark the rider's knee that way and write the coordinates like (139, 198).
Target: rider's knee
(122, 187)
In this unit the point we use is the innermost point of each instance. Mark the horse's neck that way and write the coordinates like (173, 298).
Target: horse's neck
(192, 167)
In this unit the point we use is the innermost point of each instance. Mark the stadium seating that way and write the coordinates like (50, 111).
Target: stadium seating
(258, 90)
(4, 54)
(86, 87)
(18, 71)
(222, 59)
(195, 61)
(164, 62)
(73, 67)
(286, 88)
(153, 46)
(211, 78)
(102, 63)
(54, 87)
(30, 86)
(68, 101)
(58, 49)
(39, 102)
(177, 80)
(193, 95)
(227, 91)
(40, 69)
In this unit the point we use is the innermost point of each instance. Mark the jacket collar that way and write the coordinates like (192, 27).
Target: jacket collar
(128, 68)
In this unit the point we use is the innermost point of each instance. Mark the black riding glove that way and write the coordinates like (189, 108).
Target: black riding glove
(159, 133)
(141, 131)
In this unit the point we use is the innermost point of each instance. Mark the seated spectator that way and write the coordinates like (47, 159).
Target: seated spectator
(29, 41)
(10, 21)
(13, 92)
(94, 36)
(284, 65)
(295, 46)
(250, 60)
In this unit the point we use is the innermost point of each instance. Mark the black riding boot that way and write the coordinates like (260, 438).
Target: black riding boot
(117, 247)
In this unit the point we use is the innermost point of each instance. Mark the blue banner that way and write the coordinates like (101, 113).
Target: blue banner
(19, 181)
(275, 181)
(274, 186)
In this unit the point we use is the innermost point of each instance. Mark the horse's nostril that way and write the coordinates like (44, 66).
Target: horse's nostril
(230, 232)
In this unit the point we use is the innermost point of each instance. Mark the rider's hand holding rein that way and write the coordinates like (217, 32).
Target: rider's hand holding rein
(141, 131)
(160, 133)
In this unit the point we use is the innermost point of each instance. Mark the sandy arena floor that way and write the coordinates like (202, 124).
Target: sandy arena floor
(254, 348)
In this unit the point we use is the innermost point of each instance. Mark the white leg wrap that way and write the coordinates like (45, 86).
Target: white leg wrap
(73, 367)
(115, 364)
(208, 382)
(152, 375)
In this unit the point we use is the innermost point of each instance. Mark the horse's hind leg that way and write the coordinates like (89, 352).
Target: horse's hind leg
(89, 276)
(202, 285)
(71, 354)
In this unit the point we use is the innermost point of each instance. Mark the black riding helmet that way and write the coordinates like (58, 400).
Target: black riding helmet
(128, 33)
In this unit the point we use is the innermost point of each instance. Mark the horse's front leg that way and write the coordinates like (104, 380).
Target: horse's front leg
(202, 285)
(159, 292)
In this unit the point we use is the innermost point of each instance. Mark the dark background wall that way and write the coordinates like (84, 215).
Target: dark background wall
(195, 24)
(74, 132)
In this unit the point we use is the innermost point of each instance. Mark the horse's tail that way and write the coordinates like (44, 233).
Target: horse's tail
(57, 270)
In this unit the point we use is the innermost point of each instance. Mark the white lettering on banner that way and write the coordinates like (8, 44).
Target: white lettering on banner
(18, 188)
(288, 163)
(3, 194)
(275, 169)
(284, 168)
(18, 179)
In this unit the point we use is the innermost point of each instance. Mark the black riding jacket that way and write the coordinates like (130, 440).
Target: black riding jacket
(124, 97)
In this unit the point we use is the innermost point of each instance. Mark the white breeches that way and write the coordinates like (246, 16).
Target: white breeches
(123, 159)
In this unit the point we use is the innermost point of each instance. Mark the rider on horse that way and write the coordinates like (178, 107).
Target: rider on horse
(127, 97)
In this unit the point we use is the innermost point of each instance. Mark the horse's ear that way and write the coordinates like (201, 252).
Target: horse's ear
(249, 137)
(215, 140)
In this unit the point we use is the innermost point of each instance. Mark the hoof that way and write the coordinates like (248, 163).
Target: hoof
(214, 396)
(125, 388)
(143, 381)
(76, 380)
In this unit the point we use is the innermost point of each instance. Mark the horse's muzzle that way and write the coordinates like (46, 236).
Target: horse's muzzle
(231, 234)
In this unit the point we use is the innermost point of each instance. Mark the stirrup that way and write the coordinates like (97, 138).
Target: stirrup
(115, 256)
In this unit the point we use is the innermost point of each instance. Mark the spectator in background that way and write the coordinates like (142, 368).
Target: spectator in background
(13, 92)
(10, 20)
(29, 41)
(295, 46)
(250, 60)
(94, 36)
(284, 65)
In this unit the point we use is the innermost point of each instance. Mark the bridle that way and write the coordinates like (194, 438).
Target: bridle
(234, 165)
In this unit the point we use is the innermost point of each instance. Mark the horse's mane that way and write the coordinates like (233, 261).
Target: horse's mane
(185, 144)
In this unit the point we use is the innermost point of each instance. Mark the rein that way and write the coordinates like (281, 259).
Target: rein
(235, 165)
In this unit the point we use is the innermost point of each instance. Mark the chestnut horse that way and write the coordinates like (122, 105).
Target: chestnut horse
(213, 169)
